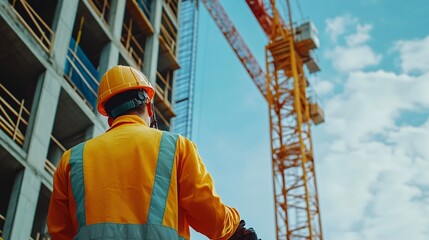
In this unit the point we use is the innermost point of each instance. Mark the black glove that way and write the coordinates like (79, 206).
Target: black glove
(243, 233)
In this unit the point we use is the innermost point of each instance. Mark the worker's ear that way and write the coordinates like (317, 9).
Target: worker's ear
(149, 109)
(110, 121)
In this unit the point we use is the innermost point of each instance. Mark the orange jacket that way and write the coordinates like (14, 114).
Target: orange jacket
(136, 182)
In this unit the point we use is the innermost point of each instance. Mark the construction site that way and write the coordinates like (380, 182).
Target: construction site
(53, 54)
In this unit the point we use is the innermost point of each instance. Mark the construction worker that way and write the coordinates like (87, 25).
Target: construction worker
(136, 182)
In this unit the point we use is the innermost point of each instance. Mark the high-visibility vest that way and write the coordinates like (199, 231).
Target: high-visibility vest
(153, 229)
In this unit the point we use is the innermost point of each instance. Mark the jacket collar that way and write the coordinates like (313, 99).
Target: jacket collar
(127, 119)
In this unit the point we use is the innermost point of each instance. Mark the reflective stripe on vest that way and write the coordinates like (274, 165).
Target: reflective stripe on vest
(164, 166)
(157, 204)
(127, 231)
(77, 182)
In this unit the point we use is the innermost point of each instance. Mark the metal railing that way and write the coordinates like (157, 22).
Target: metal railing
(13, 116)
(37, 27)
(2, 218)
(102, 8)
(84, 76)
(39, 236)
(133, 47)
(163, 87)
(49, 166)
(168, 35)
(172, 6)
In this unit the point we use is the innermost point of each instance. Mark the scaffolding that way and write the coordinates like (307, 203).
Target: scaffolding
(185, 78)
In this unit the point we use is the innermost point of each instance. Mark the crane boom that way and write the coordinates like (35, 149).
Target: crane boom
(237, 44)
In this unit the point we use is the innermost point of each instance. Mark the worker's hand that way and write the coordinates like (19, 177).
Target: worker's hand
(243, 233)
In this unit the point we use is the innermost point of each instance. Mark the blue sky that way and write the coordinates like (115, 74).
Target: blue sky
(372, 153)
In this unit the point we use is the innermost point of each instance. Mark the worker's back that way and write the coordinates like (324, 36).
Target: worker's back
(119, 172)
(138, 182)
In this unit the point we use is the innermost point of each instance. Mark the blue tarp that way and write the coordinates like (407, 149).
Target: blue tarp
(146, 10)
(79, 76)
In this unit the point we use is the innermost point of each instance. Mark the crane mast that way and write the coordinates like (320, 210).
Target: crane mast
(294, 177)
(297, 213)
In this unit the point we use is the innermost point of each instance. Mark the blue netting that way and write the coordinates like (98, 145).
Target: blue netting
(145, 6)
(79, 76)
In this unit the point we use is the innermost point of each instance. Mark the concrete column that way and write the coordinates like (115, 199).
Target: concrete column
(42, 119)
(63, 27)
(110, 54)
(152, 43)
(116, 20)
(22, 205)
(26, 190)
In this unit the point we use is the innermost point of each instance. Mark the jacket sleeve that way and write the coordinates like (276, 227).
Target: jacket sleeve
(59, 221)
(205, 211)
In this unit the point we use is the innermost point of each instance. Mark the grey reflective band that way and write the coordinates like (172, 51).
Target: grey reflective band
(122, 108)
(77, 182)
(127, 231)
(164, 166)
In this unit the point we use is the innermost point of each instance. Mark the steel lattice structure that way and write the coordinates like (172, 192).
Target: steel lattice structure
(284, 86)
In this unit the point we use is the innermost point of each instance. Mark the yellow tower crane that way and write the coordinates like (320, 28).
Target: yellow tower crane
(284, 86)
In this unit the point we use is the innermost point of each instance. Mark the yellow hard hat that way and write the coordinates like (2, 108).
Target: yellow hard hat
(119, 79)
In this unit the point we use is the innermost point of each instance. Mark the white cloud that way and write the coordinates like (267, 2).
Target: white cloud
(323, 87)
(371, 101)
(356, 54)
(361, 36)
(373, 178)
(337, 26)
(346, 59)
(414, 55)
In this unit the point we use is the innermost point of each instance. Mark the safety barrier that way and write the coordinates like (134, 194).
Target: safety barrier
(13, 116)
(163, 86)
(172, 6)
(41, 236)
(49, 166)
(133, 47)
(81, 74)
(168, 35)
(37, 27)
(102, 8)
(2, 219)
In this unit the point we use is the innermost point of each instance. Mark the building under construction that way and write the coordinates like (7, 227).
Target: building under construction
(53, 54)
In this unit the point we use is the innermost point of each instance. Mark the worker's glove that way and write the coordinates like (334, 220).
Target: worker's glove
(243, 233)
